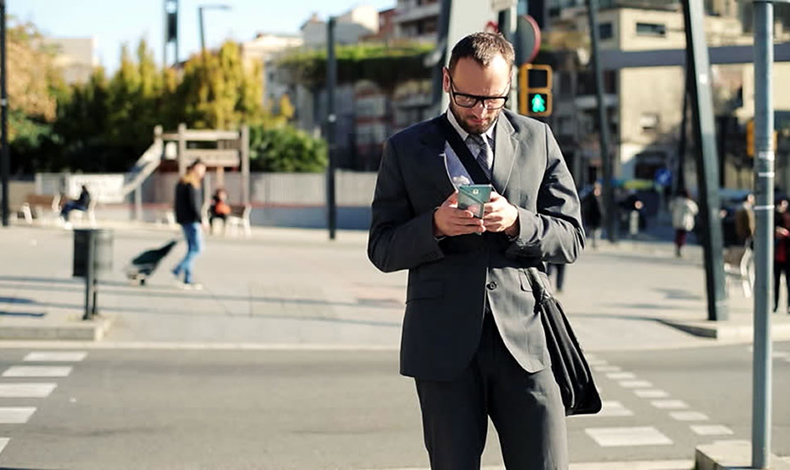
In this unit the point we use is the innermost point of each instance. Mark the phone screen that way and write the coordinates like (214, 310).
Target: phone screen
(472, 197)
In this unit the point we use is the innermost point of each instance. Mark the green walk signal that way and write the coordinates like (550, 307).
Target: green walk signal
(538, 104)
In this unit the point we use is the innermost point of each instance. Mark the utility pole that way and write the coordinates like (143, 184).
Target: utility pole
(200, 25)
(331, 122)
(603, 128)
(707, 174)
(5, 163)
(764, 235)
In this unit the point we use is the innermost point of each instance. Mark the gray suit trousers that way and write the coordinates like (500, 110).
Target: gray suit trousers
(526, 409)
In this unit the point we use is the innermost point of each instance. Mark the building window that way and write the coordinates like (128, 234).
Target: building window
(651, 29)
(605, 31)
(649, 122)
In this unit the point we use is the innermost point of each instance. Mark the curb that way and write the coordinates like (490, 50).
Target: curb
(727, 330)
(63, 330)
(731, 456)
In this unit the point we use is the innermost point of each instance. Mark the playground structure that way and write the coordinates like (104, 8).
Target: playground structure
(218, 149)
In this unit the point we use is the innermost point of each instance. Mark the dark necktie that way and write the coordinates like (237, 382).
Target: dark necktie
(483, 154)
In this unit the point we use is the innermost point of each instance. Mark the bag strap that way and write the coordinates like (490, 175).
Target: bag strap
(462, 151)
(540, 288)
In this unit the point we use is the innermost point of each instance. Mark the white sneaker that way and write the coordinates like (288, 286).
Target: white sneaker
(193, 286)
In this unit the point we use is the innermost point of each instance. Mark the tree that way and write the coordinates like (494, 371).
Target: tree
(285, 149)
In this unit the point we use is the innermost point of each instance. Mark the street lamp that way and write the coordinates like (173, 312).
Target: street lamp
(200, 18)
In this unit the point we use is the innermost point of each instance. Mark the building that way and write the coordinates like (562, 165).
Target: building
(265, 49)
(357, 23)
(74, 56)
(417, 20)
(644, 103)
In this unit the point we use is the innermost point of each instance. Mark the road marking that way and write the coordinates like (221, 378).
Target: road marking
(626, 437)
(689, 416)
(635, 384)
(596, 362)
(3, 443)
(607, 369)
(52, 356)
(652, 393)
(611, 408)
(621, 375)
(26, 390)
(37, 371)
(712, 430)
(15, 415)
(669, 404)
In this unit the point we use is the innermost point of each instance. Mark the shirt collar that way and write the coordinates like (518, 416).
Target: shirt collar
(461, 132)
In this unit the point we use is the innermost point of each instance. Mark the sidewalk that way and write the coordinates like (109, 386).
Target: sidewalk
(290, 288)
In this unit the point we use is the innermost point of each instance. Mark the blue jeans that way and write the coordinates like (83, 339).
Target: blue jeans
(194, 239)
(70, 206)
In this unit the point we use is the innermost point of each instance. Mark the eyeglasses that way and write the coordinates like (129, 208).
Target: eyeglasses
(470, 101)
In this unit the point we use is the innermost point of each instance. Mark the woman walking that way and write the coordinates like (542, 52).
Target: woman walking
(684, 209)
(188, 215)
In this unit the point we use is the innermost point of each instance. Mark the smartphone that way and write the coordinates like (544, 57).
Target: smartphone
(471, 197)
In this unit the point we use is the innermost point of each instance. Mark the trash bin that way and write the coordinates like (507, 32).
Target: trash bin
(102, 261)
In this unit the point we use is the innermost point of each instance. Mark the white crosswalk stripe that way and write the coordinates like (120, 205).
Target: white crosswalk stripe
(651, 393)
(55, 356)
(15, 415)
(37, 371)
(669, 404)
(621, 375)
(689, 416)
(26, 390)
(626, 437)
(712, 430)
(635, 384)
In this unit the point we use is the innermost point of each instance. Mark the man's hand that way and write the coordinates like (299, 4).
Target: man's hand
(450, 221)
(500, 216)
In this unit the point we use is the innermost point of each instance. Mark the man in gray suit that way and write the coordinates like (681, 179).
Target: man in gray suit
(471, 337)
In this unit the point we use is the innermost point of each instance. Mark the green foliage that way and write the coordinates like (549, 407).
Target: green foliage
(285, 149)
(384, 65)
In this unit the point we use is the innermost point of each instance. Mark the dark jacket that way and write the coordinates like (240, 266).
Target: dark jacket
(84, 199)
(451, 280)
(187, 204)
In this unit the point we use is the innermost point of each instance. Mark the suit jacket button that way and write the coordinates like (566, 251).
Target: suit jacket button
(491, 285)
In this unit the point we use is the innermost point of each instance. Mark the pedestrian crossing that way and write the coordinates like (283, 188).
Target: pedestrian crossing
(629, 432)
(44, 365)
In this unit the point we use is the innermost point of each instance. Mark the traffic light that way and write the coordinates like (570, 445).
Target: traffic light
(534, 91)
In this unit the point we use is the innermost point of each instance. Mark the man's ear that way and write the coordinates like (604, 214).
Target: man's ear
(446, 80)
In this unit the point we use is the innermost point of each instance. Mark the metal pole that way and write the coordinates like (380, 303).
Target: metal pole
(764, 236)
(5, 162)
(202, 38)
(707, 174)
(331, 122)
(603, 128)
(90, 275)
(680, 184)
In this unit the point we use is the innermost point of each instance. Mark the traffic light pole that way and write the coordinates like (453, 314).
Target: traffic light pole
(707, 167)
(331, 122)
(610, 209)
(764, 235)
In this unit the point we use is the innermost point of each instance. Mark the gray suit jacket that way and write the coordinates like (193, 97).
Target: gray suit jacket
(449, 280)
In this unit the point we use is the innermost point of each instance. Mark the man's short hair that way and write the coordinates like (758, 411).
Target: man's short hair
(483, 48)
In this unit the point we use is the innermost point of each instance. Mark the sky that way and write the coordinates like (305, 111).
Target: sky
(114, 22)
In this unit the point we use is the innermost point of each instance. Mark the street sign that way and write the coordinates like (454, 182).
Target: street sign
(502, 5)
(663, 177)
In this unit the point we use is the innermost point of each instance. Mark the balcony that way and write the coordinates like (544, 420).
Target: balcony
(416, 13)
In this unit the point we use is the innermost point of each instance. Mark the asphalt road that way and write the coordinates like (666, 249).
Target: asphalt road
(334, 409)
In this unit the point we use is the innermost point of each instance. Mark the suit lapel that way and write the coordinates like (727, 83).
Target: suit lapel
(507, 147)
(434, 159)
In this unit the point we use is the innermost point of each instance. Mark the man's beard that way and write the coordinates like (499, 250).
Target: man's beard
(467, 127)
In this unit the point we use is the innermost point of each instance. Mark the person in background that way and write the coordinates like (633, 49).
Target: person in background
(744, 221)
(219, 208)
(592, 215)
(187, 208)
(81, 204)
(781, 250)
(683, 210)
